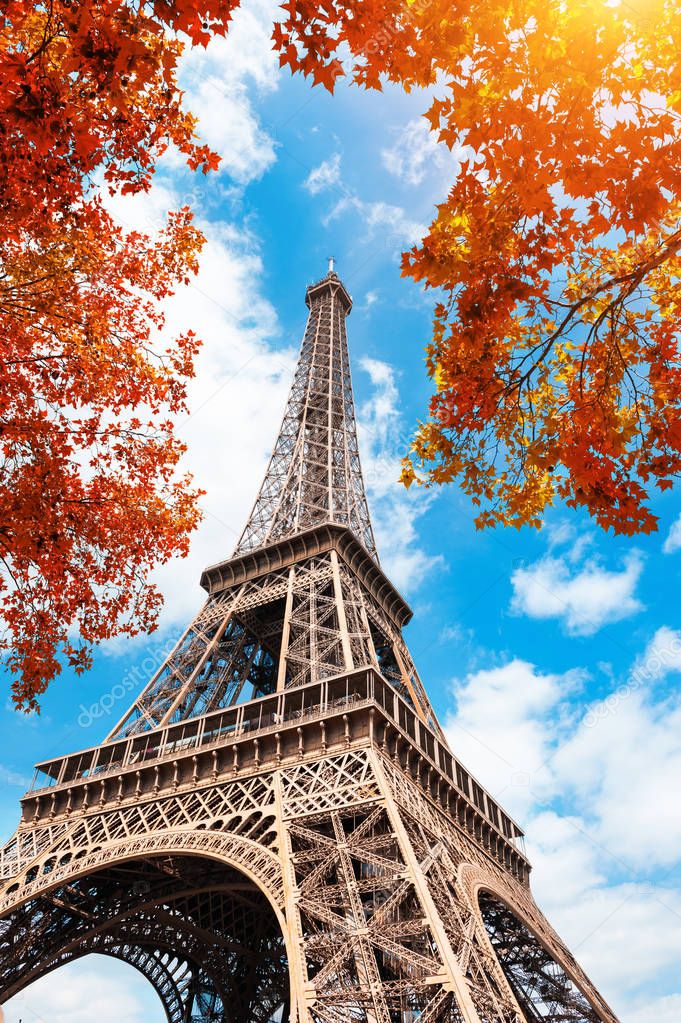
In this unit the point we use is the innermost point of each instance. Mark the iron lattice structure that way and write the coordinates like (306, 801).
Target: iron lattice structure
(315, 474)
(277, 828)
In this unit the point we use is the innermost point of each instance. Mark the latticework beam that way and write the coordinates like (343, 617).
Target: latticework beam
(314, 474)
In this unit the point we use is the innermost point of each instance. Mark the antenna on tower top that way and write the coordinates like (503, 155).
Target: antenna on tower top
(331, 264)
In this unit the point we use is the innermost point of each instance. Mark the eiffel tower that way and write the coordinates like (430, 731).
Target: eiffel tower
(277, 829)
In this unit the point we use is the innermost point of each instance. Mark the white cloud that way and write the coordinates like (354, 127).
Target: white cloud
(13, 778)
(673, 541)
(394, 510)
(661, 657)
(598, 918)
(661, 1010)
(558, 533)
(325, 176)
(559, 847)
(381, 420)
(218, 82)
(499, 728)
(236, 399)
(624, 767)
(619, 757)
(228, 125)
(584, 599)
(597, 793)
(236, 402)
(94, 988)
(416, 152)
(405, 563)
(392, 221)
(454, 633)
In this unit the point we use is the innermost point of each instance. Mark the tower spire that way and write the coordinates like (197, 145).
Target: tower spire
(314, 474)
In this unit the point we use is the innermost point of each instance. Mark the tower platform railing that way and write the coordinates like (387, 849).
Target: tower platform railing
(351, 709)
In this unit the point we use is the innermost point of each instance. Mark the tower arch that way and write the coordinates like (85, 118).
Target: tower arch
(202, 931)
(544, 987)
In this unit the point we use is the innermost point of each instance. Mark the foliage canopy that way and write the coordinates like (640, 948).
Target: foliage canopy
(555, 256)
(90, 499)
(555, 348)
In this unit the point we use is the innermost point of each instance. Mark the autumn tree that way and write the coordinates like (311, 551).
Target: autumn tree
(90, 498)
(555, 255)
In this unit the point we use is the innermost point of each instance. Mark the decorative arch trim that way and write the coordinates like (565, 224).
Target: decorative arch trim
(257, 863)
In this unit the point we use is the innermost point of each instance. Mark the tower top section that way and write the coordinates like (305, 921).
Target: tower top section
(331, 284)
(314, 475)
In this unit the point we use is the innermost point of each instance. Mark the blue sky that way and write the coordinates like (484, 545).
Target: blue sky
(552, 658)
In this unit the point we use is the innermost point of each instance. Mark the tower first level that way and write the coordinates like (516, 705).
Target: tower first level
(277, 828)
(324, 839)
